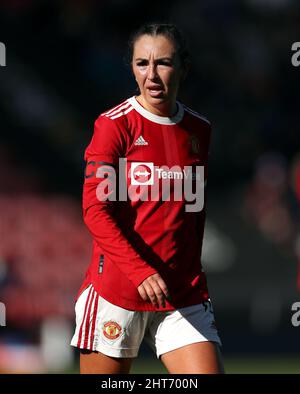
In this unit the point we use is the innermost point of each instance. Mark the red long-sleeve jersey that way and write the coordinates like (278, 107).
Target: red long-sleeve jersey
(150, 231)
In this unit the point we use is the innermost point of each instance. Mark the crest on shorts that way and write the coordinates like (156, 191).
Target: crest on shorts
(111, 330)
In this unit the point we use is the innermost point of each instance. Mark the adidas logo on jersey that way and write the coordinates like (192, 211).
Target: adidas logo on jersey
(140, 141)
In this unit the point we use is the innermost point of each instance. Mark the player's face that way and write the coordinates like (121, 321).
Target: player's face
(158, 72)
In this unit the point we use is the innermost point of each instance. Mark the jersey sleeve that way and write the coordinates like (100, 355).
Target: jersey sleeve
(108, 144)
(207, 148)
(201, 216)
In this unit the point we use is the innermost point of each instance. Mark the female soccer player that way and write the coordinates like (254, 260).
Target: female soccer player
(145, 280)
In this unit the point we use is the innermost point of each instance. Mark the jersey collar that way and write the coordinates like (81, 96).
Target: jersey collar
(156, 118)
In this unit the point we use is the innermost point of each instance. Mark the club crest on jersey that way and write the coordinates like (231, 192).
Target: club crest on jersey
(111, 330)
(194, 143)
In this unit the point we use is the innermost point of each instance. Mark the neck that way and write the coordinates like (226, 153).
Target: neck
(167, 109)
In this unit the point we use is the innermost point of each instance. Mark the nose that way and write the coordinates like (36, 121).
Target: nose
(152, 72)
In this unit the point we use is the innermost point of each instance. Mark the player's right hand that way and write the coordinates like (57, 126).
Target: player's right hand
(154, 289)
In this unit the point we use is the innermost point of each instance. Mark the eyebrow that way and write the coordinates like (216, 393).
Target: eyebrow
(161, 58)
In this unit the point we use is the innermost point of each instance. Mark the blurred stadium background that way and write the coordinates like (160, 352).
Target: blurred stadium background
(65, 66)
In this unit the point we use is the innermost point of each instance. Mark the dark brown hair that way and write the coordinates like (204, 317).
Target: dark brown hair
(167, 30)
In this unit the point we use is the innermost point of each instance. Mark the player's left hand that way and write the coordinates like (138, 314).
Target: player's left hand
(155, 290)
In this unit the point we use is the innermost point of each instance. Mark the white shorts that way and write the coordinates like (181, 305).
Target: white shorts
(117, 332)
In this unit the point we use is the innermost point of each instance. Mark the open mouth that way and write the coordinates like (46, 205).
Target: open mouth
(155, 92)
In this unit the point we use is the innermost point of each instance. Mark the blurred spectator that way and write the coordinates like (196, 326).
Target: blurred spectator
(44, 250)
(295, 182)
(266, 203)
